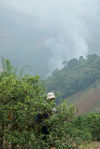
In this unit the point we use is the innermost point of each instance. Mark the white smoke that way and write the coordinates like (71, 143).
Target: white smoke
(68, 21)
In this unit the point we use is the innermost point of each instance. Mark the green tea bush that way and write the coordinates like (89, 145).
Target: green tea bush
(21, 100)
(89, 125)
(93, 120)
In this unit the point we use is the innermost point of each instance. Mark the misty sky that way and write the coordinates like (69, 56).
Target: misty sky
(76, 23)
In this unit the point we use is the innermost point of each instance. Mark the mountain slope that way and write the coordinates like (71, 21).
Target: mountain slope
(78, 81)
(87, 100)
(76, 75)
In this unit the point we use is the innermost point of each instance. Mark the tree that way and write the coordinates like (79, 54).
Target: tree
(73, 62)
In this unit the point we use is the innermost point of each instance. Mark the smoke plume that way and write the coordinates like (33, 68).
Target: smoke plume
(72, 26)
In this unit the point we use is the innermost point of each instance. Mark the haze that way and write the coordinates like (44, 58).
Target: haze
(64, 29)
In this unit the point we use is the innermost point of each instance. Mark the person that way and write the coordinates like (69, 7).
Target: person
(41, 117)
(50, 98)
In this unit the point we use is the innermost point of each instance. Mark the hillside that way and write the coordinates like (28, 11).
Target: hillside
(87, 100)
(79, 82)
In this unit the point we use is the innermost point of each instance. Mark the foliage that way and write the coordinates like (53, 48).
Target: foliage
(81, 125)
(94, 125)
(89, 124)
(21, 100)
(7, 67)
(76, 75)
(18, 107)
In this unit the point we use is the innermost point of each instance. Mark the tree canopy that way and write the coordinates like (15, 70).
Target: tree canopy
(76, 75)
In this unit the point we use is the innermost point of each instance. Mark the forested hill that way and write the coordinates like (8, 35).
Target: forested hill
(76, 75)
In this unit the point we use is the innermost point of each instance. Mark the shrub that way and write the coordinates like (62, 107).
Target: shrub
(93, 120)
(21, 100)
(89, 125)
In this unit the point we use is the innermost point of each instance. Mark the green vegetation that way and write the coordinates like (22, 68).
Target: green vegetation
(76, 75)
(22, 99)
(87, 100)
(7, 67)
(81, 94)
(18, 98)
(91, 124)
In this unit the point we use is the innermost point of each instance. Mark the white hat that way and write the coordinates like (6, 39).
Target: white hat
(50, 95)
